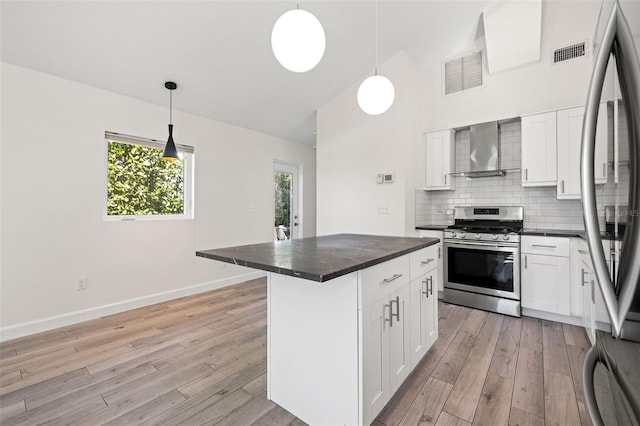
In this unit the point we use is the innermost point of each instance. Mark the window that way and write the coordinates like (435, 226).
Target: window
(140, 184)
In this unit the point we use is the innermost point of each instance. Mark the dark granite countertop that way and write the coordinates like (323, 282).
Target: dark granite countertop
(432, 227)
(577, 233)
(319, 258)
(554, 232)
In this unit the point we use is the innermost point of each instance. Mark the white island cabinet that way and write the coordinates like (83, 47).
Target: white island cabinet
(341, 340)
(338, 351)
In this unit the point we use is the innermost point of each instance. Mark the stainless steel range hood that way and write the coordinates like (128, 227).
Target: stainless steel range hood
(484, 151)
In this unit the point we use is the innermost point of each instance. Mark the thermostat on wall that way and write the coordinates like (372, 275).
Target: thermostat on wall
(384, 177)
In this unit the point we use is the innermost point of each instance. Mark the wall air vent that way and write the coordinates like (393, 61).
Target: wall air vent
(463, 73)
(569, 52)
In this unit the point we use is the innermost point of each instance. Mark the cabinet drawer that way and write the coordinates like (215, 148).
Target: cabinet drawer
(378, 281)
(423, 261)
(549, 246)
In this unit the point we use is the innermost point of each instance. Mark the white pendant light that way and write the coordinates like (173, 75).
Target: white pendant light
(298, 40)
(376, 93)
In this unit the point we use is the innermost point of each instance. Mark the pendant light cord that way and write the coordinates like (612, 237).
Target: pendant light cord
(376, 68)
(170, 106)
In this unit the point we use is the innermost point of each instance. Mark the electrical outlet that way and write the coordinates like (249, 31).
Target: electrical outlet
(81, 284)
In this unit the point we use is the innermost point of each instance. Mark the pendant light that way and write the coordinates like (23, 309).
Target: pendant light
(298, 40)
(376, 93)
(170, 151)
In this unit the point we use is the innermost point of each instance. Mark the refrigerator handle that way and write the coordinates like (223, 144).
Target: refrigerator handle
(617, 40)
(587, 178)
(628, 65)
(588, 370)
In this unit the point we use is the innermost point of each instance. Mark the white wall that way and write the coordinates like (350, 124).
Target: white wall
(530, 88)
(53, 175)
(352, 147)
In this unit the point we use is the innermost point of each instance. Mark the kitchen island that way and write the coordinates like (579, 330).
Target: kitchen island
(348, 317)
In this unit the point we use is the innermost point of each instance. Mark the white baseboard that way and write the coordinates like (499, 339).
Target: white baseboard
(63, 320)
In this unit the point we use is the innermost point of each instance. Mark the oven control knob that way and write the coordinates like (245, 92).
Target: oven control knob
(452, 234)
(495, 237)
(505, 237)
(478, 236)
(463, 234)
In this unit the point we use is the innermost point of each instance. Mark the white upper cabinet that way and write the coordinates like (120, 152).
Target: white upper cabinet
(569, 145)
(539, 149)
(439, 160)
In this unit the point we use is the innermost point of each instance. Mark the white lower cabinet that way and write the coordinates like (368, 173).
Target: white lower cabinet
(399, 341)
(399, 322)
(424, 315)
(546, 273)
(440, 256)
(375, 360)
(357, 332)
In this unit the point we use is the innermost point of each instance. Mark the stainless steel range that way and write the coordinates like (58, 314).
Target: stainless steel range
(482, 258)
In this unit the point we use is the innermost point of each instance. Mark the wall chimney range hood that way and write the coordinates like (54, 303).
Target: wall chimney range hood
(484, 151)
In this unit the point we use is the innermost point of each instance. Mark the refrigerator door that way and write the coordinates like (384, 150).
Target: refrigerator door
(617, 40)
(621, 381)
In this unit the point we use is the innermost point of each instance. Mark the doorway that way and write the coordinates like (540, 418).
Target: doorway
(287, 218)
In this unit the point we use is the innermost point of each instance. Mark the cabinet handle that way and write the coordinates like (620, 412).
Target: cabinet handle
(562, 185)
(543, 245)
(426, 262)
(583, 251)
(593, 285)
(525, 262)
(583, 274)
(526, 175)
(439, 252)
(604, 169)
(430, 285)
(390, 319)
(397, 314)
(445, 179)
(424, 289)
(393, 278)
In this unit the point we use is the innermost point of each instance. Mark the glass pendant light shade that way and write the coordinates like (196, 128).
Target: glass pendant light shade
(298, 40)
(170, 151)
(376, 95)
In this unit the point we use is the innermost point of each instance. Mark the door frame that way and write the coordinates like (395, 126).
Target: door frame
(296, 204)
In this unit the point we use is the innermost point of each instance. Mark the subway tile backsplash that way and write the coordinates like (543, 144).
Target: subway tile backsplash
(541, 208)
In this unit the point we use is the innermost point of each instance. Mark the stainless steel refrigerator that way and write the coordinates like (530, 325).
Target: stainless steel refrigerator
(616, 354)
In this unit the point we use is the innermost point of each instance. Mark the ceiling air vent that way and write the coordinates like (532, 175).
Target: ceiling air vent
(569, 52)
(463, 73)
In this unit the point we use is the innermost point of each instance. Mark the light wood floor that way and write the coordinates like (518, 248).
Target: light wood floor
(202, 360)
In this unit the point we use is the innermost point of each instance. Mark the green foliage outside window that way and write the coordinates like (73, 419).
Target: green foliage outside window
(283, 199)
(142, 183)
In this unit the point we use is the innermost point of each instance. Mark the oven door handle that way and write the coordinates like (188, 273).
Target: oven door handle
(471, 243)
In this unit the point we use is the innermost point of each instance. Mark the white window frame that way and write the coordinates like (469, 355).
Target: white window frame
(189, 177)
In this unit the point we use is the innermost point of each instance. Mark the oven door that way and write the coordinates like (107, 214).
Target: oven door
(492, 269)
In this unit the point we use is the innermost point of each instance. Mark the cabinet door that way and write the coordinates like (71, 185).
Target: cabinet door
(431, 297)
(399, 340)
(440, 272)
(439, 157)
(545, 283)
(588, 317)
(375, 363)
(418, 314)
(569, 146)
(539, 150)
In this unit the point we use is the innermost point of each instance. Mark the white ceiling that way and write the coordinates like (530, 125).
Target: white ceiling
(219, 52)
